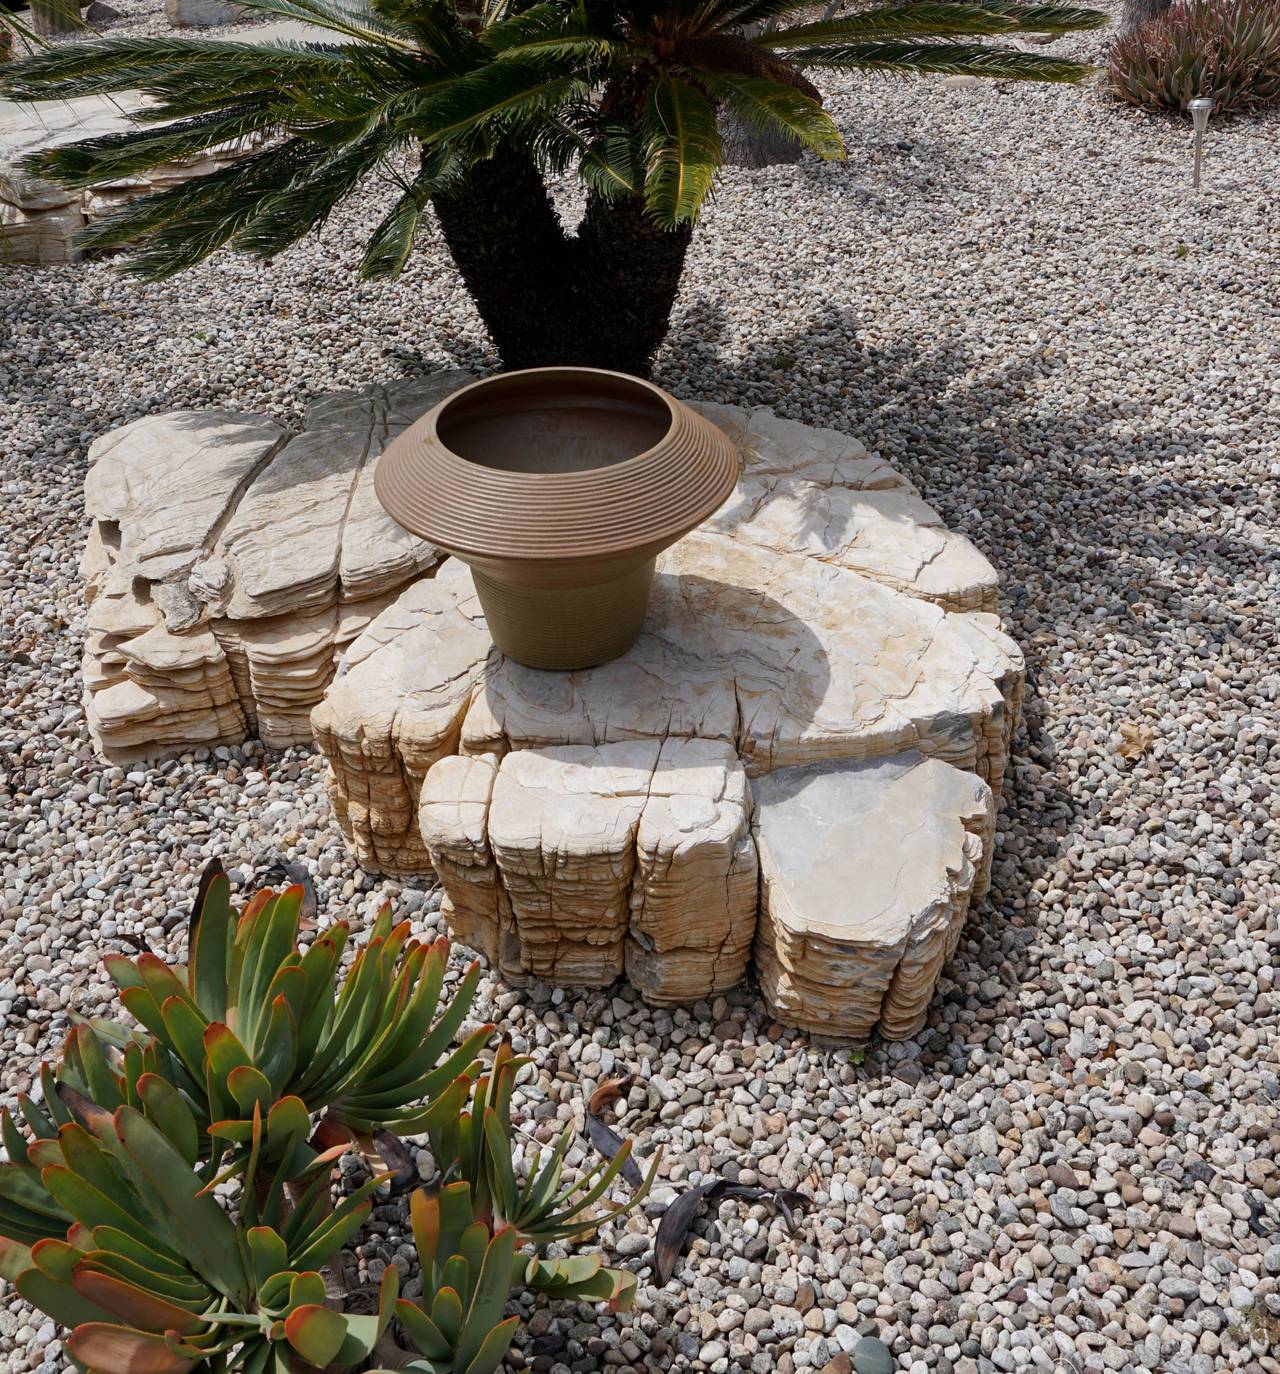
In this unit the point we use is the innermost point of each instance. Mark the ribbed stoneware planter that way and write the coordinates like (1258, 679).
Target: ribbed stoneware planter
(559, 486)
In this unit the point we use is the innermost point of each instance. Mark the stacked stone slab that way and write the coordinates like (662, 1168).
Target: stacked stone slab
(823, 641)
(230, 564)
(868, 869)
(579, 863)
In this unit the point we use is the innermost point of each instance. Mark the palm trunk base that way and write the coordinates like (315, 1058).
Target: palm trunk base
(599, 298)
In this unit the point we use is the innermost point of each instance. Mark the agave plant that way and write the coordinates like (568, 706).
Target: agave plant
(153, 1273)
(478, 1145)
(467, 107)
(252, 1019)
(1225, 50)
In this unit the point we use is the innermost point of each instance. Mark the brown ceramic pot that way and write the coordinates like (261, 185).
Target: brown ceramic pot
(559, 486)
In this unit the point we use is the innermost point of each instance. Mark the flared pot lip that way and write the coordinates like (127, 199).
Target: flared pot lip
(637, 505)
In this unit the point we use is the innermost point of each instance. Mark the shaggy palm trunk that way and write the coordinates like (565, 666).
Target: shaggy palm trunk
(601, 297)
(55, 16)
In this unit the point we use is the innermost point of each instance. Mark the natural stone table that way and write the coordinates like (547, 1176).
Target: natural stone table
(813, 726)
(229, 565)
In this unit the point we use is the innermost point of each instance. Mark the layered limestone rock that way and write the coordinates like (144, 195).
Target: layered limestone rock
(823, 639)
(575, 864)
(819, 493)
(229, 565)
(867, 872)
(788, 659)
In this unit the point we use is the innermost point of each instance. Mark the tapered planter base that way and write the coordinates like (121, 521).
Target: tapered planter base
(562, 628)
(559, 486)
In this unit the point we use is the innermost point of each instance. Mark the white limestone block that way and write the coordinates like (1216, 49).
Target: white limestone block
(867, 873)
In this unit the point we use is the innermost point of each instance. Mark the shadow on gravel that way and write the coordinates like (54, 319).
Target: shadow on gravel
(1001, 447)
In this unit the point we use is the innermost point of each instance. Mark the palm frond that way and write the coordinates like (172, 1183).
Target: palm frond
(184, 224)
(763, 104)
(498, 98)
(760, 12)
(437, 29)
(378, 83)
(683, 151)
(112, 156)
(940, 21)
(393, 239)
(952, 59)
(309, 199)
(612, 166)
(209, 70)
(606, 152)
(355, 18)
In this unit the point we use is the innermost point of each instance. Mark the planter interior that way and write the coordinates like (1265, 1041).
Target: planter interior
(578, 427)
(559, 486)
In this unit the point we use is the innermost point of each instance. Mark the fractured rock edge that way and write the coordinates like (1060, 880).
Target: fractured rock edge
(579, 863)
(867, 873)
(791, 660)
(229, 566)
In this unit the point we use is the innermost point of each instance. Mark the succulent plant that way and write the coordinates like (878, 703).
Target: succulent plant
(170, 1199)
(1226, 50)
(252, 1019)
(154, 1273)
(477, 1144)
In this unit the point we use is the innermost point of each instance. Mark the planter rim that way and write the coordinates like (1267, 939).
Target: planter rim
(634, 506)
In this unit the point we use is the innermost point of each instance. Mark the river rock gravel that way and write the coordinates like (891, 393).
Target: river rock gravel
(1014, 294)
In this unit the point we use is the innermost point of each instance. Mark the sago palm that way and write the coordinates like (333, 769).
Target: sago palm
(468, 110)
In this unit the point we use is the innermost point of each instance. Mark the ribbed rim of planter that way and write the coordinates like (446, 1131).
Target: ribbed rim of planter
(643, 502)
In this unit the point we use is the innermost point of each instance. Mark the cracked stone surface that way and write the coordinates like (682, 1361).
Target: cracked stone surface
(578, 863)
(788, 659)
(822, 633)
(867, 871)
(229, 564)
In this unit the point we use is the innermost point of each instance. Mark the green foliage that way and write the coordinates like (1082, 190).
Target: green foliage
(467, 1272)
(153, 1272)
(468, 1269)
(476, 1145)
(1227, 50)
(252, 1020)
(170, 1199)
(627, 92)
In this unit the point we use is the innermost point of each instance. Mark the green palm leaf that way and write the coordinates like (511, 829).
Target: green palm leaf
(497, 98)
(186, 223)
(939, 20)
(130, 152)
(208, 71)
(353, 18)
(683, 152)
(761, 103)
(958, 59)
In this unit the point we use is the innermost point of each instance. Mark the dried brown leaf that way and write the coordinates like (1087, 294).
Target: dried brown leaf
(1136, 740)
(673, 1229)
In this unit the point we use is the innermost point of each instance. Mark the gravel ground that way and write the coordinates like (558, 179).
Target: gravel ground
(1014, 295)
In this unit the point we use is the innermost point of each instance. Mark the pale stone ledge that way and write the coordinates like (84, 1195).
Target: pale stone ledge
(229, 565)
(867, 873)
